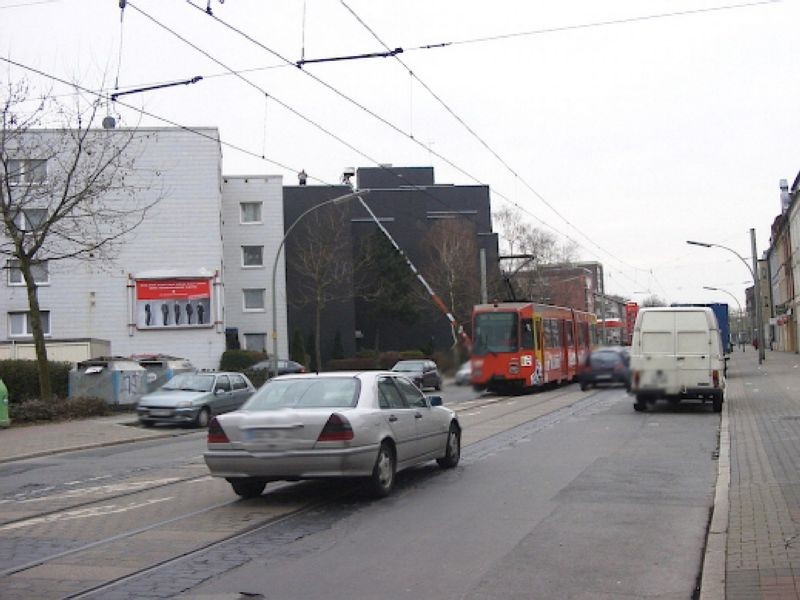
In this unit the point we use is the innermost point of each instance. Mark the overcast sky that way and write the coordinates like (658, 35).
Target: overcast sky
(621, 124)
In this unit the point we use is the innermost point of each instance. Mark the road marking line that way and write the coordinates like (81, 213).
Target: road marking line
(83, 513)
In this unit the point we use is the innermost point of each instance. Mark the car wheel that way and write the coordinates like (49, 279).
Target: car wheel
(453, 452)
(247, 487)
(438, 386)
(202, 418)
(584, 386)
(147, 423)
(381, 481)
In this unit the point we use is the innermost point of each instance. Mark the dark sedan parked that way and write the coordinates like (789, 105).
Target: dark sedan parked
(285, 367)
(605, 366)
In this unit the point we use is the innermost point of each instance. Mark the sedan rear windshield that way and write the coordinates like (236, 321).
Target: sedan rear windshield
(317, 392)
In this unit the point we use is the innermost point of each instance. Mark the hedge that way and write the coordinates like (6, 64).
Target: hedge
(32, 411)
(240, 360)
(22, 379)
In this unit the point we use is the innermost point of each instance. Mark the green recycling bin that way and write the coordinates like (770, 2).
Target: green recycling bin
(4, 420)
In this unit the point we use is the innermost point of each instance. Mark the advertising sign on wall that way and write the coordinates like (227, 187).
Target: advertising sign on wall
(173, 303)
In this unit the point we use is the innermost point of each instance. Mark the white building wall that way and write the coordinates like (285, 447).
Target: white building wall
(268, 232)
(180, 235)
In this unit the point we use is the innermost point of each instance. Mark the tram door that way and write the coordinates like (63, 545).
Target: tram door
(538, 351)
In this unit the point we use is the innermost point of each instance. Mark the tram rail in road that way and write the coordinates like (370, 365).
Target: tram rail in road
(103, 543)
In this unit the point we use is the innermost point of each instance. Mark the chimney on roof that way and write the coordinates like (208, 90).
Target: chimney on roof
(786, 199)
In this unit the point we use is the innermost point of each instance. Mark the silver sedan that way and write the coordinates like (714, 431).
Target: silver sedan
(367, 424)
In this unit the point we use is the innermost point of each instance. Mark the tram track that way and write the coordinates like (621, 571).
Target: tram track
(241, 517)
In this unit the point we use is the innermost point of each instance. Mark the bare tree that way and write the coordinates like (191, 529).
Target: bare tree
(321, 256)
(653, 300)
(520, 237)
(63, 193)
(451, 267)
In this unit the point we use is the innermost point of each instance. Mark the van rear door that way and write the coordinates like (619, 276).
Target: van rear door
(657, 348)
(693, 349)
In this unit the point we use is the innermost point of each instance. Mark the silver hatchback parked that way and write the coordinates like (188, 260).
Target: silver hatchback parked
(193, 398)
(367, 424)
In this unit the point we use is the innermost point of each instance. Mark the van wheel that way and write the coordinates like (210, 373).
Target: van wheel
(641, 404)
(717, 403)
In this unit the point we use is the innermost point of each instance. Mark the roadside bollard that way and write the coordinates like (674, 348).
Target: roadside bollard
(4, 420)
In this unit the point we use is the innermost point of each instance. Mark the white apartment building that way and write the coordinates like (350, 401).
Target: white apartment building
(163, 292)
(252, 214)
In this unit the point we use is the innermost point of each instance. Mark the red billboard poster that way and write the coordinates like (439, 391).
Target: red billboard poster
(173, 303)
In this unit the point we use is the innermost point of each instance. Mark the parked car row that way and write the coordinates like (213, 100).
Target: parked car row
(194, 398)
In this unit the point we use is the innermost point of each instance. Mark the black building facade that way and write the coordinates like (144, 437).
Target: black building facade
(408, 203)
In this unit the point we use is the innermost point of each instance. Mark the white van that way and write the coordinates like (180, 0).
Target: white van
(676, 353)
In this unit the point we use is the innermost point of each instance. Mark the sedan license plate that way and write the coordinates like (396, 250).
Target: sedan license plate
(160, 413)
(603, 377)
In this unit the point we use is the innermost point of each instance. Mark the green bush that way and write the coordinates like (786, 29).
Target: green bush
(257, 376)
(31, 411)
(22, 379)
(351, 364)
(240, 360)
(82, 407)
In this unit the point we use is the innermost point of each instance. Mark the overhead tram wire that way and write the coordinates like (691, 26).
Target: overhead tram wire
(480, 139)
(639, 19)
(398, 130)
(360, 106)
(344, 96)
(165, 120)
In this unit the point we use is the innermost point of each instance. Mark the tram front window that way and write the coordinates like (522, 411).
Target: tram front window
(495, 332)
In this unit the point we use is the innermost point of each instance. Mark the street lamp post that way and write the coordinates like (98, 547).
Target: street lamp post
(756, 287)
(337, 200)
(739, 304)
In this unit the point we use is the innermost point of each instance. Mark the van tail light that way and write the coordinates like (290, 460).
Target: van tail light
(337, 429)
(636, 378)
(715, 378)
(216, 435)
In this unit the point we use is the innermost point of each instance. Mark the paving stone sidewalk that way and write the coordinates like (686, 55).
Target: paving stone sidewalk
(29, 441)
(763, 541)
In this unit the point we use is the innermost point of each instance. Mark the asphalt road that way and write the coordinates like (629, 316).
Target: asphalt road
(561, 494)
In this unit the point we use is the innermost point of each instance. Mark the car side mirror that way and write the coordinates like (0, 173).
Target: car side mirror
(435, 400)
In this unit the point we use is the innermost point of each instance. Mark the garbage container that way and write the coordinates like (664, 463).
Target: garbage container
(161, 368)
(116, 379)
(4, 420)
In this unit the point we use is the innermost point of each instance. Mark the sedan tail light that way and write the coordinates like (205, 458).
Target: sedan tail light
(216, 435)
(337, 429)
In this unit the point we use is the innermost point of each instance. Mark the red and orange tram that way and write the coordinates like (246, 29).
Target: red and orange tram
(519, 346)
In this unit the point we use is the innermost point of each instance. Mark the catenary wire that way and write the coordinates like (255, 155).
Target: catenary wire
(483, 142)
(393, 127)
(562, 28)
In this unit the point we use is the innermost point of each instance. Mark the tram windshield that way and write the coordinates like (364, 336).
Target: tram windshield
(495, 332)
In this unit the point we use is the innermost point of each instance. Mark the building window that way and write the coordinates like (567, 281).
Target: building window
(30, 219)
(27, 171)
(19, 323)
(255, 341)
(252, 256)
(41, 274)
(253, 299)
(250, 212)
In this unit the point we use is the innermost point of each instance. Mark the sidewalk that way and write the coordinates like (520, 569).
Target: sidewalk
(30, 441)
(762, 550)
